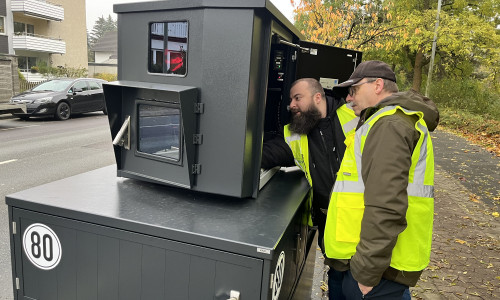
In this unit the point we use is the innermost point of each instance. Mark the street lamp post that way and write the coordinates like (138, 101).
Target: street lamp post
(429, 76)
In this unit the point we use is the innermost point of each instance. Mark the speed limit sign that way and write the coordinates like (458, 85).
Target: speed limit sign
(42, 246)
(278, 276)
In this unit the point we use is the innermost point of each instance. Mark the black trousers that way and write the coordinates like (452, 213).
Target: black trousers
(385, 290)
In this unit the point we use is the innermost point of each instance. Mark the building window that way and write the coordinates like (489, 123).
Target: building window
(30, 29)
(24, 29)
(168, 46)
(2, 24)
(19, 27)
(25, 63)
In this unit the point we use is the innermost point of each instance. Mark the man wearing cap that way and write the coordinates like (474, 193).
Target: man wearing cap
(314, 141)
(379, 225)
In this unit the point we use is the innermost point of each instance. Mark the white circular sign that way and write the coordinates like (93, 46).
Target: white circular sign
(278, 276)
(42, 246)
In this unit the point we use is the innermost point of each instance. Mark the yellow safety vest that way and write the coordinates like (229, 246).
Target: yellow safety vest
(345, 212)
(299, 145)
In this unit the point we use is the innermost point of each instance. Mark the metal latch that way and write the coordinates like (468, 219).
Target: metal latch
(234, 295)
(197, 138)
(199, 108)
(123, 137)
(196, 169)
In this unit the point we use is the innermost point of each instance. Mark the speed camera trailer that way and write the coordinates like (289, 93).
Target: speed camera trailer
(201, 84)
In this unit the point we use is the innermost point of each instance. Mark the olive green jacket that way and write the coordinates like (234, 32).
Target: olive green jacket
(387, 154)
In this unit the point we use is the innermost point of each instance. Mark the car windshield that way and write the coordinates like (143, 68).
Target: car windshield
(53, 86)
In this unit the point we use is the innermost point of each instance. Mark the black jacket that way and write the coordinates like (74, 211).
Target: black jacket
(326, 149)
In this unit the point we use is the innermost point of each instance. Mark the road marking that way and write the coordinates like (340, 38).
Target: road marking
(5, 129)
(7, 161)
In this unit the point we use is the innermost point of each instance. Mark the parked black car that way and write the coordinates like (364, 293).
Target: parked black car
(62, 97)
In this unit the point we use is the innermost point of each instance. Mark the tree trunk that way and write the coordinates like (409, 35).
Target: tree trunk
(417, 70)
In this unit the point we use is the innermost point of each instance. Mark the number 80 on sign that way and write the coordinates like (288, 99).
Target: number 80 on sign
(42, 246)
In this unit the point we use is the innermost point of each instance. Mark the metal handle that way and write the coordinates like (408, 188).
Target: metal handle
(234, 295)
(123, 136)
(302, 49)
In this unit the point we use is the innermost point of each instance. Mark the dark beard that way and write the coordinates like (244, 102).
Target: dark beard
(307, 120)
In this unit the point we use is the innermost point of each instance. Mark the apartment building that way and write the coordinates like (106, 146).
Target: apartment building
(34, 32)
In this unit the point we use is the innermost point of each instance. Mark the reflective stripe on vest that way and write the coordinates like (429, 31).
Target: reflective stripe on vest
(345, 213)
(347, 119)
(299, 145)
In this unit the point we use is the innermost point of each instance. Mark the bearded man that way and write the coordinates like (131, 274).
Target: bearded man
(314, 141)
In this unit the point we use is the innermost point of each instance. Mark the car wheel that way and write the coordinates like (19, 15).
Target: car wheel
(63, 111)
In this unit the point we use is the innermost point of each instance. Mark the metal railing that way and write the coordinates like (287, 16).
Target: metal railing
(36, 35)
(26, 85)
(48, 2)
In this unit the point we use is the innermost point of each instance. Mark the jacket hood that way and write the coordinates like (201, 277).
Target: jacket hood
(333, 103)
(412, 100)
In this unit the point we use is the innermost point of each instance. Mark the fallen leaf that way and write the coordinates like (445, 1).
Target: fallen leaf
(474, 199)
(495, 214)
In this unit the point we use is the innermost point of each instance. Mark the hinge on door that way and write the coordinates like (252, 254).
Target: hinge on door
(196, 169)
(17, 283)
(199, 108)
(197, 139)
(14, 228)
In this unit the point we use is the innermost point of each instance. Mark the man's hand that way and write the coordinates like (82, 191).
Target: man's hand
(365, 289)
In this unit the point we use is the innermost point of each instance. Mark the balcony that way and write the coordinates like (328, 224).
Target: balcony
(32, 42)
(38, 9)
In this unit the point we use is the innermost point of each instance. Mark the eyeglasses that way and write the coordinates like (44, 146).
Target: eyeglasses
(352, 91)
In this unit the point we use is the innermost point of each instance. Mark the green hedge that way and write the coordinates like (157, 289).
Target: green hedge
(467, 122)
(468, 95)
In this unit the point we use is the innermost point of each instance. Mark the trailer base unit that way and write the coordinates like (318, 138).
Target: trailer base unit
(95, 236)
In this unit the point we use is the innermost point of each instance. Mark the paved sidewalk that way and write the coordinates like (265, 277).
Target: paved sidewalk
(465, 258)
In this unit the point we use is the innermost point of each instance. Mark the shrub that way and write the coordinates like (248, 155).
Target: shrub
(467, 122)
(106, 76)
(467, 94)
(21, 76)
(70, 72)
(60, 71)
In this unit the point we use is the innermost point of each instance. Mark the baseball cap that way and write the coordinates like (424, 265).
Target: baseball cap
(371, 68)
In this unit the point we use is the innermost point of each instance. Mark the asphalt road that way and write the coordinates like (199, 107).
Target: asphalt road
(476, 169)
(38, 151)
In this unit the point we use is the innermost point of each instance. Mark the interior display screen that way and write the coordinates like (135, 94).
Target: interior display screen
(159, 131)
(168, 45)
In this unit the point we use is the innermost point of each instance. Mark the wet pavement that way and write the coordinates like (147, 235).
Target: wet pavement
(465, 258)
(475, 168)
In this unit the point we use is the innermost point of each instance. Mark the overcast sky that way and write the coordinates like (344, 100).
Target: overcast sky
(98, 8)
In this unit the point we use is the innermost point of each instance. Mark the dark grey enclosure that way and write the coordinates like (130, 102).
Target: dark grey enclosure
(201, 85)
(227, 66)
(126, 239)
